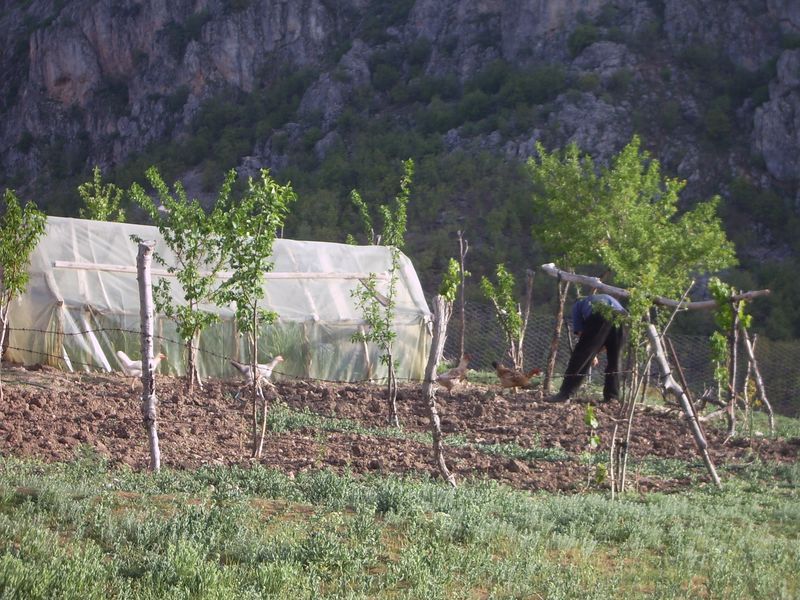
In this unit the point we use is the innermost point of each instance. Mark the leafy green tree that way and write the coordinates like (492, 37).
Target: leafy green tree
(625, 220)
(378, 308)
(20, 230)
(194, 239)
(250, 229)
(102, 201)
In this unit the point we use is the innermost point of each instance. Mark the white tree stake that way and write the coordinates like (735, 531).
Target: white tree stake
(149, 414)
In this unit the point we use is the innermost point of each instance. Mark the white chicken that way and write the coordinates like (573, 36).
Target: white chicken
(133, 368)
(264, 373)
(264, 370)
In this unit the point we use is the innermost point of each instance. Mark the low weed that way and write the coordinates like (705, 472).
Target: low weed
(254, 532)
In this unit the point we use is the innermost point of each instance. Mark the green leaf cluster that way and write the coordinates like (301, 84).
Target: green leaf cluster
(625, 219)
(20, 230)
(195, 240)
(503, 298)
(251, 227)
(102, 202)
(725, 316)
(451, 279)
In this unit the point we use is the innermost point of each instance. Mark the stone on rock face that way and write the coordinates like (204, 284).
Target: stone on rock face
(777, 122)
(151, 52)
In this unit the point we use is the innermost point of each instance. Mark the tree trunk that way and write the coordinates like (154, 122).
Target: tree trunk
(519, 359)
(394, 420)
(4, 310)
(563, 288)
(463, 248)
(670, 385)
(193, 374)
(149, 402)
(255, 390)
(441, 316)
(733, 342)
(762, 392)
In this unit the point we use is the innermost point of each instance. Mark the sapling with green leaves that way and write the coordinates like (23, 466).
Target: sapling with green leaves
(194, 238)
(442, 310)
(728, 317)
(593, 423)
(20, 231)
(102, 201)
(378, 305)
(250, 229)
(512, 317)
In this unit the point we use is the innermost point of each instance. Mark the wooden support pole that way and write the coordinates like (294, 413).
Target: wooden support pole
(762, 392)
(463, 248)
(673, 387)
(144, 260)
(552, 355)
(442, 309)
(525, 313)
(604, 288)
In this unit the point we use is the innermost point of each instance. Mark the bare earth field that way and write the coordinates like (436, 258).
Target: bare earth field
(48, 414)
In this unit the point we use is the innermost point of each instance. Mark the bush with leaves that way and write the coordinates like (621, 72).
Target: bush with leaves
(20, 231)
(194, 238)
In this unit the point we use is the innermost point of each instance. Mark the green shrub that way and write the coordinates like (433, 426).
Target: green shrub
(474, 106)
(717, 120)
(490, 79)
(177, 99)
(419, 51)
(537, 86)
(25, 142)
(583, 36)
(588, 82)
(384, 76)
(669, 114)
(113, 96)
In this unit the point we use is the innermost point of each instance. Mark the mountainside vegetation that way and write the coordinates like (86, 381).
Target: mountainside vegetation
(338, 97)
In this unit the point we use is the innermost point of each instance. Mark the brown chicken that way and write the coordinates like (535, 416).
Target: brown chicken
(511, 378)
(455, 375)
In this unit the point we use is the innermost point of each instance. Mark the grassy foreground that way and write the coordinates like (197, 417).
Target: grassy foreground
(80, 530)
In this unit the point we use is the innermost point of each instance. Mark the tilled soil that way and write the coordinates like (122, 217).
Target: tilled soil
(48, 414)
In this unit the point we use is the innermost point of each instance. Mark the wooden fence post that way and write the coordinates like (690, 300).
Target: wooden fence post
(149, 415)
(563, 289)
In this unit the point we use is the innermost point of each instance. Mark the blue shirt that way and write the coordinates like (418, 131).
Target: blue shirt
(582, 309)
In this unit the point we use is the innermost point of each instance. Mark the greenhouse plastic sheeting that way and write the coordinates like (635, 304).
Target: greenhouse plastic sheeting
(82, 304)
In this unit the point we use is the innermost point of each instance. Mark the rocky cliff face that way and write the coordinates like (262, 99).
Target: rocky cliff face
(94, 81)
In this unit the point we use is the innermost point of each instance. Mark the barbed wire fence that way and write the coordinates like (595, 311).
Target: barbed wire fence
(778, 361)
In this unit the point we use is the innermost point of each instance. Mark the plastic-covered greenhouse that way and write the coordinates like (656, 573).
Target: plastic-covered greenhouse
(82, 304)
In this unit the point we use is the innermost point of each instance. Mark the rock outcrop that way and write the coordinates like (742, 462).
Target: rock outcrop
(100, 80)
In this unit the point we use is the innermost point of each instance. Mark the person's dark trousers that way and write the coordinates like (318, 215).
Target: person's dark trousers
(597, 333)
(614, 342)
